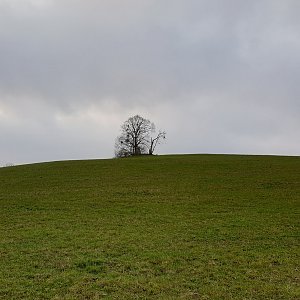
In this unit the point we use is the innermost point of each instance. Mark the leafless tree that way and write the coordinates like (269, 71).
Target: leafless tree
(156, 140)
(135, 138)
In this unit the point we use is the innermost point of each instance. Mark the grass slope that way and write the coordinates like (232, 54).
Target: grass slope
(166, 227)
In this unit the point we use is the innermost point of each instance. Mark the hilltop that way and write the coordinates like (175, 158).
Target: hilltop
(151, 227)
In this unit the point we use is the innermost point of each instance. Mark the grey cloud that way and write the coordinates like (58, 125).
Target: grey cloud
(229, 68)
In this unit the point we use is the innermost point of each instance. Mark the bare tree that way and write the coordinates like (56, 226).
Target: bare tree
(135, 138)
(156, 140)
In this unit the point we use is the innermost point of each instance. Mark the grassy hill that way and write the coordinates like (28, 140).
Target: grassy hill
(161, 227)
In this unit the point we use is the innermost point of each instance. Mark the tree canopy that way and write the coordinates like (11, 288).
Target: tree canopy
(137, 137)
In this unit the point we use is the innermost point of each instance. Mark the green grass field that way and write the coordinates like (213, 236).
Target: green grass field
(161, 227)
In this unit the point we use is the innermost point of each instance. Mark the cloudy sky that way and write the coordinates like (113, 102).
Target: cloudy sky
(220, 76)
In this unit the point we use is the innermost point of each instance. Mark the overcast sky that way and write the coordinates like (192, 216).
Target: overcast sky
(220, 76)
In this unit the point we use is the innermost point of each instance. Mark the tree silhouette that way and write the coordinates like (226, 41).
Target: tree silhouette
(136, 139)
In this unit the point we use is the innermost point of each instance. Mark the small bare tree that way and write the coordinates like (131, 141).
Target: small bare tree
(135, 138)
(156, 141)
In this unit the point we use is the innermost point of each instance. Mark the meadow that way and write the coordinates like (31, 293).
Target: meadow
(159, 227)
